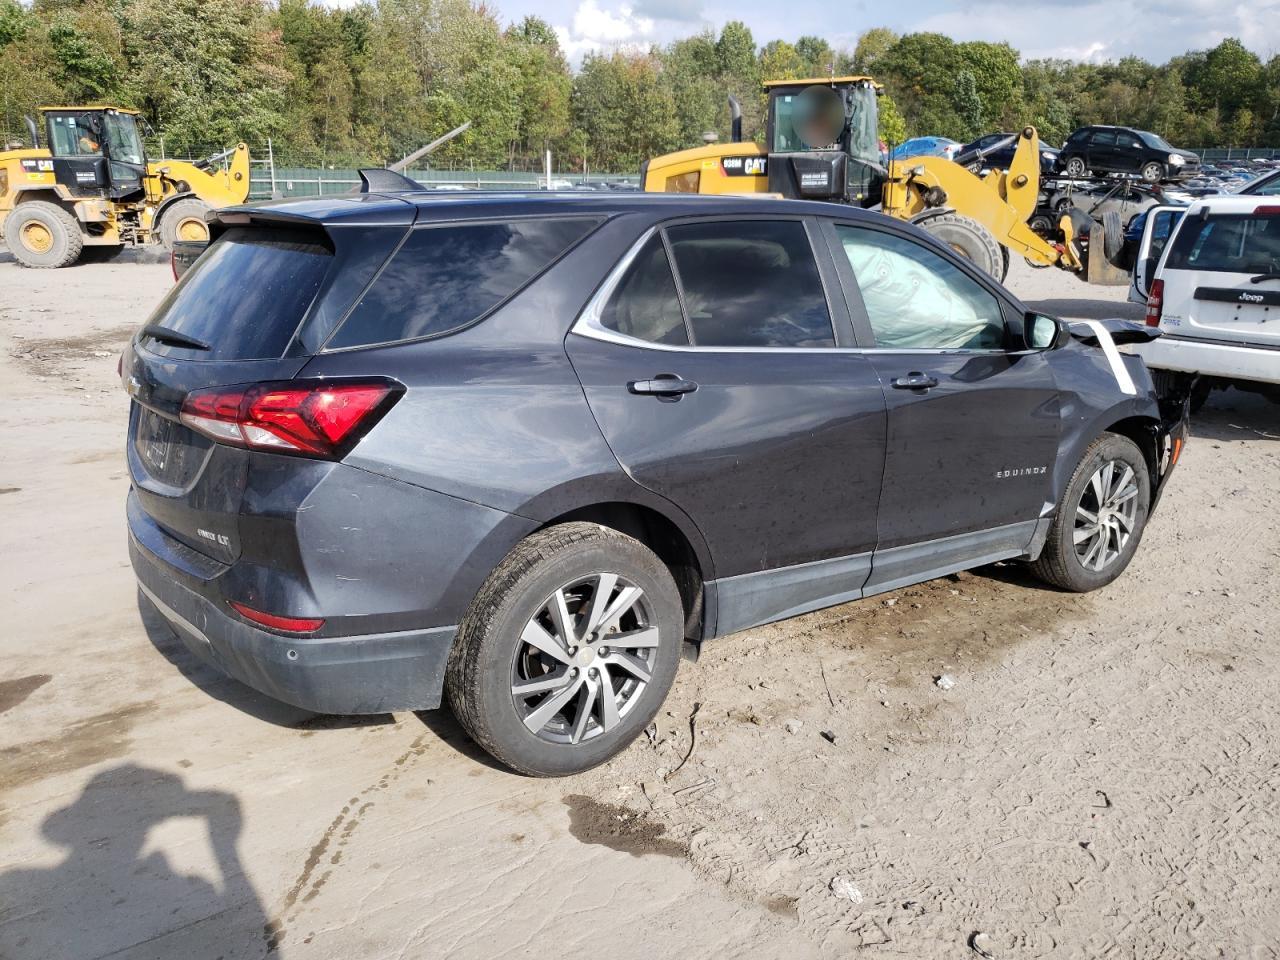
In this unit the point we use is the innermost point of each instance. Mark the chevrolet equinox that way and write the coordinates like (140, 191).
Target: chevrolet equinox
(523, 451)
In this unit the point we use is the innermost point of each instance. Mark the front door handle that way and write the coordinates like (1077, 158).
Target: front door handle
(665, 386)
(915, 380)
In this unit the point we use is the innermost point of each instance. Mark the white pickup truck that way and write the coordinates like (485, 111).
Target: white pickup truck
(1210, 276)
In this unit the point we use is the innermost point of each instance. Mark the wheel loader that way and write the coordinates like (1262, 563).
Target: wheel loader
(91, 191)
(822, 143)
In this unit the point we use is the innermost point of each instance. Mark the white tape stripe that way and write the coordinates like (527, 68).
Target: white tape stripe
(1113, 357)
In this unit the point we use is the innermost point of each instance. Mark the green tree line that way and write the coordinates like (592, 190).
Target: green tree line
(372, 82)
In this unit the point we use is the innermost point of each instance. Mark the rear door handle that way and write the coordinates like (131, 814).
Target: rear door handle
(915, 380)
(664, 386)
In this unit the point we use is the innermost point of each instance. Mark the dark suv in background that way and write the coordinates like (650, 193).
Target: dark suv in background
(526, 449)
(1101, 149)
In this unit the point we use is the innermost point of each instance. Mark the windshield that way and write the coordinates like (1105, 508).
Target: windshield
(122, 138)
(864, 134)
(1228, 243)
(1154, 140)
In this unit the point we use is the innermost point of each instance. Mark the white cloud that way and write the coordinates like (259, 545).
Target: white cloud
(595, 28)
(1096, 31)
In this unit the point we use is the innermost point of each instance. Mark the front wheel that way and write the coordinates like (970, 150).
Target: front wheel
(1100, 518)
(1153, 172)
(185, 220)
(568, 650)
(970, 239)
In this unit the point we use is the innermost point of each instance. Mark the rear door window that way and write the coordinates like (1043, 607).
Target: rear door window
(246, 295)
(646, 305)
(751, 284)
(445, 278)
(1228, 243)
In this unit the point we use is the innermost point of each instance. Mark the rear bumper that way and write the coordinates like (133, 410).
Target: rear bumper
(369, 673)
(1225, 360)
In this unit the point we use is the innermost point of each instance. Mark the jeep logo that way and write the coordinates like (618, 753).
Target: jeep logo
(1250, 297)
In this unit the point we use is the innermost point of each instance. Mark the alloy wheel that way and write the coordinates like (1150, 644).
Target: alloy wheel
(584, 659)
(1106, 515)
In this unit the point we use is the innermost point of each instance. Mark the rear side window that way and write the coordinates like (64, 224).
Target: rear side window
(751, 284)
(645, 305)
(444, 278)
(1227, 244)
(246, 295)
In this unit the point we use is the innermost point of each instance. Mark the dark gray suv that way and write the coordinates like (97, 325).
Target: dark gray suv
(526, 450)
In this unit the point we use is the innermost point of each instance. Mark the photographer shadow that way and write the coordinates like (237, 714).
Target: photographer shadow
(116, 893)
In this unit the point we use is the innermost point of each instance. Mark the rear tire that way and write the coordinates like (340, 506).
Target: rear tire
(43, 235)
(536, 607)
(1075, 167)
(970, 239)
(1100, 518)
(185, 220)
(1153, 172)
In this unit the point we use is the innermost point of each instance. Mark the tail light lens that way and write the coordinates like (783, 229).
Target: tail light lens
(320, 418)
(276, 622)
(1155, 303)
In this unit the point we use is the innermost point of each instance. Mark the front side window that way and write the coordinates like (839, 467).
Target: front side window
(751, 284)
(916, 299)
(443, 278)
(645, 304)
(122, 138)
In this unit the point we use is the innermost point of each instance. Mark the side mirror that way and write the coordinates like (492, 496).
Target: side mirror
(1040, 332)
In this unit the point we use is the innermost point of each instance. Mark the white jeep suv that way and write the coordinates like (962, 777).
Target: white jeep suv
(1210, 274)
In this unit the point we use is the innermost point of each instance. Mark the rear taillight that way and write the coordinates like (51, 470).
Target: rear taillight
(1267, 210)
(320, 418)
(274, 621)
(1155, 303)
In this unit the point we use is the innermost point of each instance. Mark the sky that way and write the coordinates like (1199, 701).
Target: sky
(1073, 29)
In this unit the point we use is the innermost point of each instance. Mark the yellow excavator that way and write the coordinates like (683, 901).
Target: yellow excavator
(92, 191)
(822, 143)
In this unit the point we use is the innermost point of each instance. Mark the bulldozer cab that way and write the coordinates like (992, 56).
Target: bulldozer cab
(823, 139)
(97, 151)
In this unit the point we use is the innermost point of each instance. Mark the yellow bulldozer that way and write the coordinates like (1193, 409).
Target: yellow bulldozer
(91, 191)
(822, 143)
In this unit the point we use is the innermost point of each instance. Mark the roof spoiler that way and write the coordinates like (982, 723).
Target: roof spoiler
(378, 180)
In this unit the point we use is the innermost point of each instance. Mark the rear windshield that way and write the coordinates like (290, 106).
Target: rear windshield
(444, 278)
(246, 295)
(1248, 243)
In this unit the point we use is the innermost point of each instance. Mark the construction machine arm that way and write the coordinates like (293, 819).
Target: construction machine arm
(1001, 201)
(216, 187)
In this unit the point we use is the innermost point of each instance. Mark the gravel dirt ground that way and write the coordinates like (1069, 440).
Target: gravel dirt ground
(1101, 780)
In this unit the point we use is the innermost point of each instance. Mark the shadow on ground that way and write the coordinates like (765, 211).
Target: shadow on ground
(1236, 415)
(114, 891)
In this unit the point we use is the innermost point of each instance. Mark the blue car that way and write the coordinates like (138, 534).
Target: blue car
(926, 147)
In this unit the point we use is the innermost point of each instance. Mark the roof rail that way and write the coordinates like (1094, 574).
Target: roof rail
(378, 180)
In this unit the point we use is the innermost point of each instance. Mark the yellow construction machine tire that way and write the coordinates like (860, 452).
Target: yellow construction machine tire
(43, 235)
(970, 239)
(184, 220)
